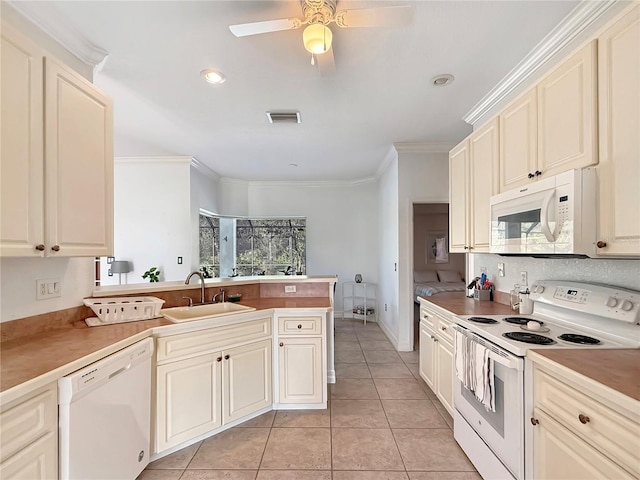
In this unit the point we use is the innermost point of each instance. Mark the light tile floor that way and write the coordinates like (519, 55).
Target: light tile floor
(383, 423)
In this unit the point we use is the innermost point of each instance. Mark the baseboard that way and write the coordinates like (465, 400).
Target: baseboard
(390, 335)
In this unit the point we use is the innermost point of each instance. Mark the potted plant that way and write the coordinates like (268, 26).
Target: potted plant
(152, 274)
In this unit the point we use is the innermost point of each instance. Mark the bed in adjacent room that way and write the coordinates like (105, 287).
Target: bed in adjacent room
(429, 283)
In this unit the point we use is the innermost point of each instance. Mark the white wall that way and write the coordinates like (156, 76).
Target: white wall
(423, 177)
(18, 279)
(152, 217)
(234, 197)
(342, 224)
(620, 273)
(388, 249)
(205, 195)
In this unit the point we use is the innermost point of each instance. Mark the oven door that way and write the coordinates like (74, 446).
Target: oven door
(503, 430)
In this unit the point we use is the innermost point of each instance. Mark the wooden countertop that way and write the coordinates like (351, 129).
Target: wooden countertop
(618, 369)
(74, 345)
(458, 304)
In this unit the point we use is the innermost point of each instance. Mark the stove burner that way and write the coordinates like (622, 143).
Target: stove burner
(482, 320)
(520, 320)
(529, 338)
(581, 339)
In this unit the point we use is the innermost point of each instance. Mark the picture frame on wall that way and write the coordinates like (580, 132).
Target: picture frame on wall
(437, 247)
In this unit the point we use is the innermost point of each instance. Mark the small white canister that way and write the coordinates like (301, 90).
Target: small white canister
(526, 304)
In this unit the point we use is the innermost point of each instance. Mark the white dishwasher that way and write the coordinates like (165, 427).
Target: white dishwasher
(105, 418)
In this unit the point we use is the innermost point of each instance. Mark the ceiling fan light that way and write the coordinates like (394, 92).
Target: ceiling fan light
(317, 38)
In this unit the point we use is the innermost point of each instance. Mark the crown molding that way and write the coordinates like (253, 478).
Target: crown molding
(576, 22)
(47, 19)
(203, 169)
(422, 147)
(392, 154)
(152, 159)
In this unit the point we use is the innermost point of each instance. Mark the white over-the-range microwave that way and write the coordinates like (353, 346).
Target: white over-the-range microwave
(554, 216)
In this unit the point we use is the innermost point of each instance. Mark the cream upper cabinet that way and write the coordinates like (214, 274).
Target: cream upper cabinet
(567, 115)
(79, 165)
(473, 167)
(458, 197)
(21, 161)
(484, 151)
(553, 127)
(518, 141)
(619, 115)
(57, 157)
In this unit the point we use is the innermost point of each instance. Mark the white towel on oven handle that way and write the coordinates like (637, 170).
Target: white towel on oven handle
(474, 369)
(483, 373)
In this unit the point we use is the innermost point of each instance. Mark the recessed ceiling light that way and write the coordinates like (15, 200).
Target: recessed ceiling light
(213, 76)
(442, 80)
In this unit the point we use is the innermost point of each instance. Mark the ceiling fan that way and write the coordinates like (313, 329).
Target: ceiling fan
(317, 36)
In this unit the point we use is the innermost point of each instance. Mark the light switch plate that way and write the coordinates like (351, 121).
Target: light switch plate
(289, 289)
(501, 269)
(47, 288)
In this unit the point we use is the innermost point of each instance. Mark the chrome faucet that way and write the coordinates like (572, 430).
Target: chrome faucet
(219, 294)
(201, 277)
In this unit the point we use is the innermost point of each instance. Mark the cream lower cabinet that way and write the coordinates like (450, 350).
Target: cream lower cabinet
(619, 111)
(301, 360)
(580, 432)
(29, 440)
(56, 182)
(202, 384)
(436, 354)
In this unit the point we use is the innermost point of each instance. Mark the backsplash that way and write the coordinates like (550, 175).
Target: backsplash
(619, 273)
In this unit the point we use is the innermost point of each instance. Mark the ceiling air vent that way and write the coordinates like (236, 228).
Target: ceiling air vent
(283, 117)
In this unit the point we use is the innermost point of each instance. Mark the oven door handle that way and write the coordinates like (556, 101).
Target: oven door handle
(510, 363)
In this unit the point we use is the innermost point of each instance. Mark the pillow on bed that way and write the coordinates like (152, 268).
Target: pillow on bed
(425, 277)
(449, 276)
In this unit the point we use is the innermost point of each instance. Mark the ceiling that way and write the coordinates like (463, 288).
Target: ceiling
(381, 92)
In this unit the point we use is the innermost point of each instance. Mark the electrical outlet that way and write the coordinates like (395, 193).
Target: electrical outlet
(524, 280)
(289, 289)
(47, 288)
(385, 307)
(483, 270)
(501, 269)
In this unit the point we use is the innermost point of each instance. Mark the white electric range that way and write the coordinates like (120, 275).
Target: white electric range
(566, 315)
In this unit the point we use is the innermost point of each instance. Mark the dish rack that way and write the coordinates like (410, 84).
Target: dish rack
(122, 309)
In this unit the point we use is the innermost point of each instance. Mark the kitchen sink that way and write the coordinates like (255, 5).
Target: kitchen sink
(198, 312)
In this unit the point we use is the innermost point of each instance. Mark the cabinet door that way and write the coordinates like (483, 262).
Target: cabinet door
(300, 370)
(188, 399)
(38, 461)
(79, 165)
(518, 141)
(428, 357)
(484, 151)
(567, 123)
(558, 454)
(619, 113)
(458, 198)
(445, 383)
(21, 157)
(247, 380)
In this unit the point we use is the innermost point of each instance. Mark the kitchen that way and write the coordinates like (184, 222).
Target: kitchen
(399, 183)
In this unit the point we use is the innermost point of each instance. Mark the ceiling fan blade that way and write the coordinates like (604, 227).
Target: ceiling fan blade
(255, 28)
(326, 63)
(398, 16)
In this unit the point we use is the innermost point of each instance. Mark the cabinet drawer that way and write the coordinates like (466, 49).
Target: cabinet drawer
(27, 421)
(428, 318)
(204, 341)
(299, 325)
(444, 329)
(613, 434)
